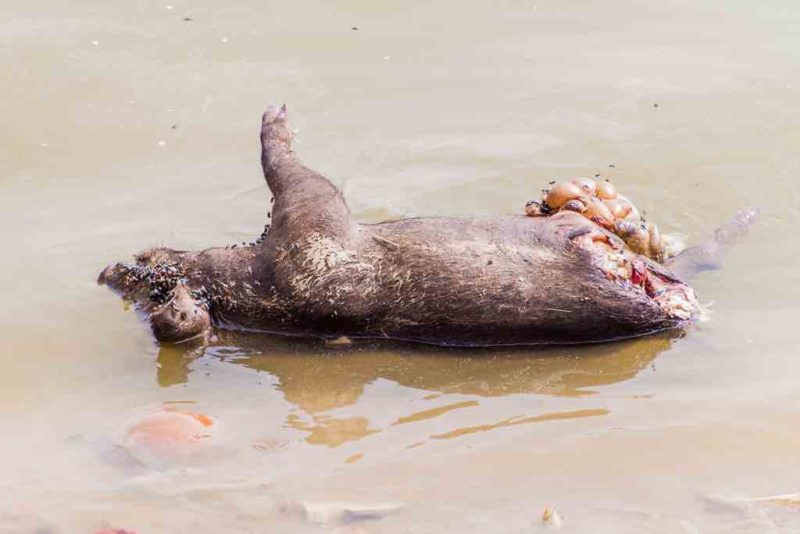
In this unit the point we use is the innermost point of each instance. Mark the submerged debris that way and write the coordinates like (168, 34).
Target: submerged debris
(167, 434)
(332, 513)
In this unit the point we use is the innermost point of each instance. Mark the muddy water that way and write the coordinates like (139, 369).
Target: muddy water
(132, 124)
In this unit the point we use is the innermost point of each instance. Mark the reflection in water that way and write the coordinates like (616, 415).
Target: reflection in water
(434, 412)
(318, 378)
(332, 431)
(174, 361)
(514, 421)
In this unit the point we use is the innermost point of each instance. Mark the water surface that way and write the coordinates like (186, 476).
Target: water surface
(134, 124)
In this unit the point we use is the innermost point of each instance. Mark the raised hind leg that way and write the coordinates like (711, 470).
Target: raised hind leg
(306, 202)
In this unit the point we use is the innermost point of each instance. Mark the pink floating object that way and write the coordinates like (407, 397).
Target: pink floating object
(166, 433)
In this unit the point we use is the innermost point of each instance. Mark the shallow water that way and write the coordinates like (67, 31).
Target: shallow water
(128, 126)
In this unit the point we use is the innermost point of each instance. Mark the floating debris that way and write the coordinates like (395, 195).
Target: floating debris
(551, 518)
(165, 434)
(341, 340)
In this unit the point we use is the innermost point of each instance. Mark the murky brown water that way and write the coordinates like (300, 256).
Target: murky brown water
(127, 126)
